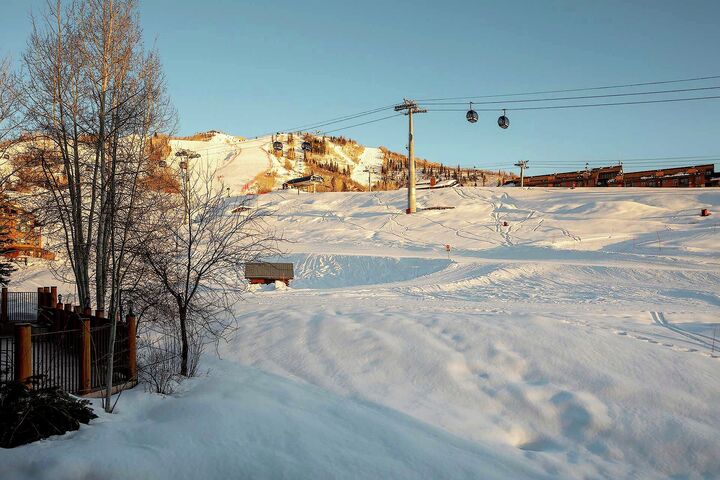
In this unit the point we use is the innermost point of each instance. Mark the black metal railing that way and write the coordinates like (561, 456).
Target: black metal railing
(22, 306)
(100, 355)
(7, 359)
(56, 359)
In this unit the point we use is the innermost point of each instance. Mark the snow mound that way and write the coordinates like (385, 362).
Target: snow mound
(255, 425)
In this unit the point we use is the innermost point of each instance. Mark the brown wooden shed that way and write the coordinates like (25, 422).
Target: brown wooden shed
(267, 272)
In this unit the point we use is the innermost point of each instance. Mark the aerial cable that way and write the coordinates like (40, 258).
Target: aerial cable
(582, 97)
(363, 123)
(332, 121)
(584, 105)
(567, 90)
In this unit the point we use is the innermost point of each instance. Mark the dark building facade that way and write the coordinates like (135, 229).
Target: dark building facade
(691, 176)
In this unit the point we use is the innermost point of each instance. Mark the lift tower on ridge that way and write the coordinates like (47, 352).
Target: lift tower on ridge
(410, 107)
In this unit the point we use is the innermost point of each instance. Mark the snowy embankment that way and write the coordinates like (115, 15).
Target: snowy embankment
(575, 342)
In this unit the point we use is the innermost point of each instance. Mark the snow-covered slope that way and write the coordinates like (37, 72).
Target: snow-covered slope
(579, 341)
(370, 159)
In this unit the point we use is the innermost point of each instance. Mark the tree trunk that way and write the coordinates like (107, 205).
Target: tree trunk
(184, 339)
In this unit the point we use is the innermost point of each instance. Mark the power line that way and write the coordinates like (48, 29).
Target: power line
(567, 90)
(582, 97)
(585, 105)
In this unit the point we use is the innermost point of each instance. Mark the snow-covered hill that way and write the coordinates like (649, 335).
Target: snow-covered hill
(241, 162)
(580, 340)
(251, 165)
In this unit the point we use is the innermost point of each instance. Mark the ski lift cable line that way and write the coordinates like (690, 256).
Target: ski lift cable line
(581, 97)
(568, 90)
(324, 123)
(341, 118)
(363, 123)
(582, 105)
(311, 126)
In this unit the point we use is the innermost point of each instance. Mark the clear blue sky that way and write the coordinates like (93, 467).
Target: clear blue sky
(252, 67)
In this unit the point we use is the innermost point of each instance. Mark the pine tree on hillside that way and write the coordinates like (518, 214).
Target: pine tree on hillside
(6, 267)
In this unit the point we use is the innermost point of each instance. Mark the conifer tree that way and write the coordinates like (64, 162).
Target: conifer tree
(6, 267)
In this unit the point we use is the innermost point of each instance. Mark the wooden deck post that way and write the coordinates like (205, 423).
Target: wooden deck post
(46, 296)
(132, 346)
(85, 356)
(23, 352)
(4, 309)
(67, 310)
(100, 313)
(53, 297)
(41, 297)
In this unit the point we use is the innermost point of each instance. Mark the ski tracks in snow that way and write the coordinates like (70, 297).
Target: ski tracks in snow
(697, 342)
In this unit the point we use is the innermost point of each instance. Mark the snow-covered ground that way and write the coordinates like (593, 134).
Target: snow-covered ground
(575, 342)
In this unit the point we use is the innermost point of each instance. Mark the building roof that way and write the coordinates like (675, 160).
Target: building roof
(269, 270)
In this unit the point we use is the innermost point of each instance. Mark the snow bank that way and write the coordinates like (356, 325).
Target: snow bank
(243, 423)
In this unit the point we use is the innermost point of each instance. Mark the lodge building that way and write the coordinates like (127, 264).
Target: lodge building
(23, 234)
(614, 176)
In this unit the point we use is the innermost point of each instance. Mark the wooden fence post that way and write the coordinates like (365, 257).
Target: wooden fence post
(4, 309)
(46, 297)
(41, 297)
(132, 346)
(23, 352)
(85, 356)
(53, 297)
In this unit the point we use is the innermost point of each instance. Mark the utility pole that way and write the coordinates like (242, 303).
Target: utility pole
(410, 107)
(523, 165)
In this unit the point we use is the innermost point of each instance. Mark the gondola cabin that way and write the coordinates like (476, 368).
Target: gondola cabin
(471, 116)
(503, 122)
(264, 273)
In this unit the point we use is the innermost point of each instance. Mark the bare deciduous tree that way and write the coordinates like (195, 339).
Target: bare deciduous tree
(10, 120)
(196, 256)
(95, 97)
